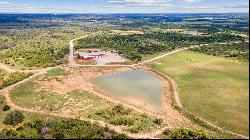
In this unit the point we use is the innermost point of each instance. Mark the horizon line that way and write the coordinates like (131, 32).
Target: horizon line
(127, 13)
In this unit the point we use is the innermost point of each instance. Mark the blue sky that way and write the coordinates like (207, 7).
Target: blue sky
(124, 6)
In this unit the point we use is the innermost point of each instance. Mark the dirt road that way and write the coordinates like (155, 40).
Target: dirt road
(164, 55)
(118, 129)
(40, 72)
(72, 63)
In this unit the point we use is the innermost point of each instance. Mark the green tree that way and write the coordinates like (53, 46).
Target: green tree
(13, 118)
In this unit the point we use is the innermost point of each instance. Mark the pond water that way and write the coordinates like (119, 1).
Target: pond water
(137, 87)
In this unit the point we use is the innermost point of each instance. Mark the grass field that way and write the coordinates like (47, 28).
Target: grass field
(212, 87)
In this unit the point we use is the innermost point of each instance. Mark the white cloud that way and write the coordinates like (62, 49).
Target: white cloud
(191, 1)
(124, 6)
(4, 3)
(139, 2)
(238, 6)
(147, 2)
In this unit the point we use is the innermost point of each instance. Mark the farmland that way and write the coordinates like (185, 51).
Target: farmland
(212, 87)
(70, 86)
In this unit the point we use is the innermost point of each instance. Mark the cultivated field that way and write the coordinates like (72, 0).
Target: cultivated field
(212, 87)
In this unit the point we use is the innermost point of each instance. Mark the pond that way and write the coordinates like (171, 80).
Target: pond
(137, 87)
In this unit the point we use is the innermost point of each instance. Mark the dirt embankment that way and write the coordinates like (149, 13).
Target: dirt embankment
(80, 79)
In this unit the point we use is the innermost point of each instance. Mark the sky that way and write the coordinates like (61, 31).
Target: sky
(123, 6)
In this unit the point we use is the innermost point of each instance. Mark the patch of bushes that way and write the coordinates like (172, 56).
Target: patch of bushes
(123, 121)
(14, 78)
(2, 74)
(46, 52)
(119, 109)
(237, 51)
(118, 115)
(6, 107)
(158, 121)
(61, 129)
(184, 133)
(143, 123)
(13, 118)
(116, 111)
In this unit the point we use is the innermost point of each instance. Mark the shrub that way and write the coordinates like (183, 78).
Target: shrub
(6, 107)
(61, 129)
(14, 78)
(120, 136)
(123, 121)
(140, 127)
(119, 109)
(8, 134)
(13, 118)
(184, 133)
(158, 121)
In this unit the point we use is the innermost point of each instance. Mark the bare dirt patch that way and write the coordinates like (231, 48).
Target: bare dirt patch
(131, 32)
(79, 79)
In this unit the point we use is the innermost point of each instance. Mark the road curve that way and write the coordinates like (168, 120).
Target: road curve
(38, 73)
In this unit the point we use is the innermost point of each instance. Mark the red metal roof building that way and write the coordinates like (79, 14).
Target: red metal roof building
(89, 56)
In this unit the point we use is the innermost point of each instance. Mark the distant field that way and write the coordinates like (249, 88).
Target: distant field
(213, 87)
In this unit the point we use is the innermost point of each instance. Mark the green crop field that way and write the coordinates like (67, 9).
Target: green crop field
(212, 87)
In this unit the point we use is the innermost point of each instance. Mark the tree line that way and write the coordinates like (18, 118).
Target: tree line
(134, 47)
(236, 51)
